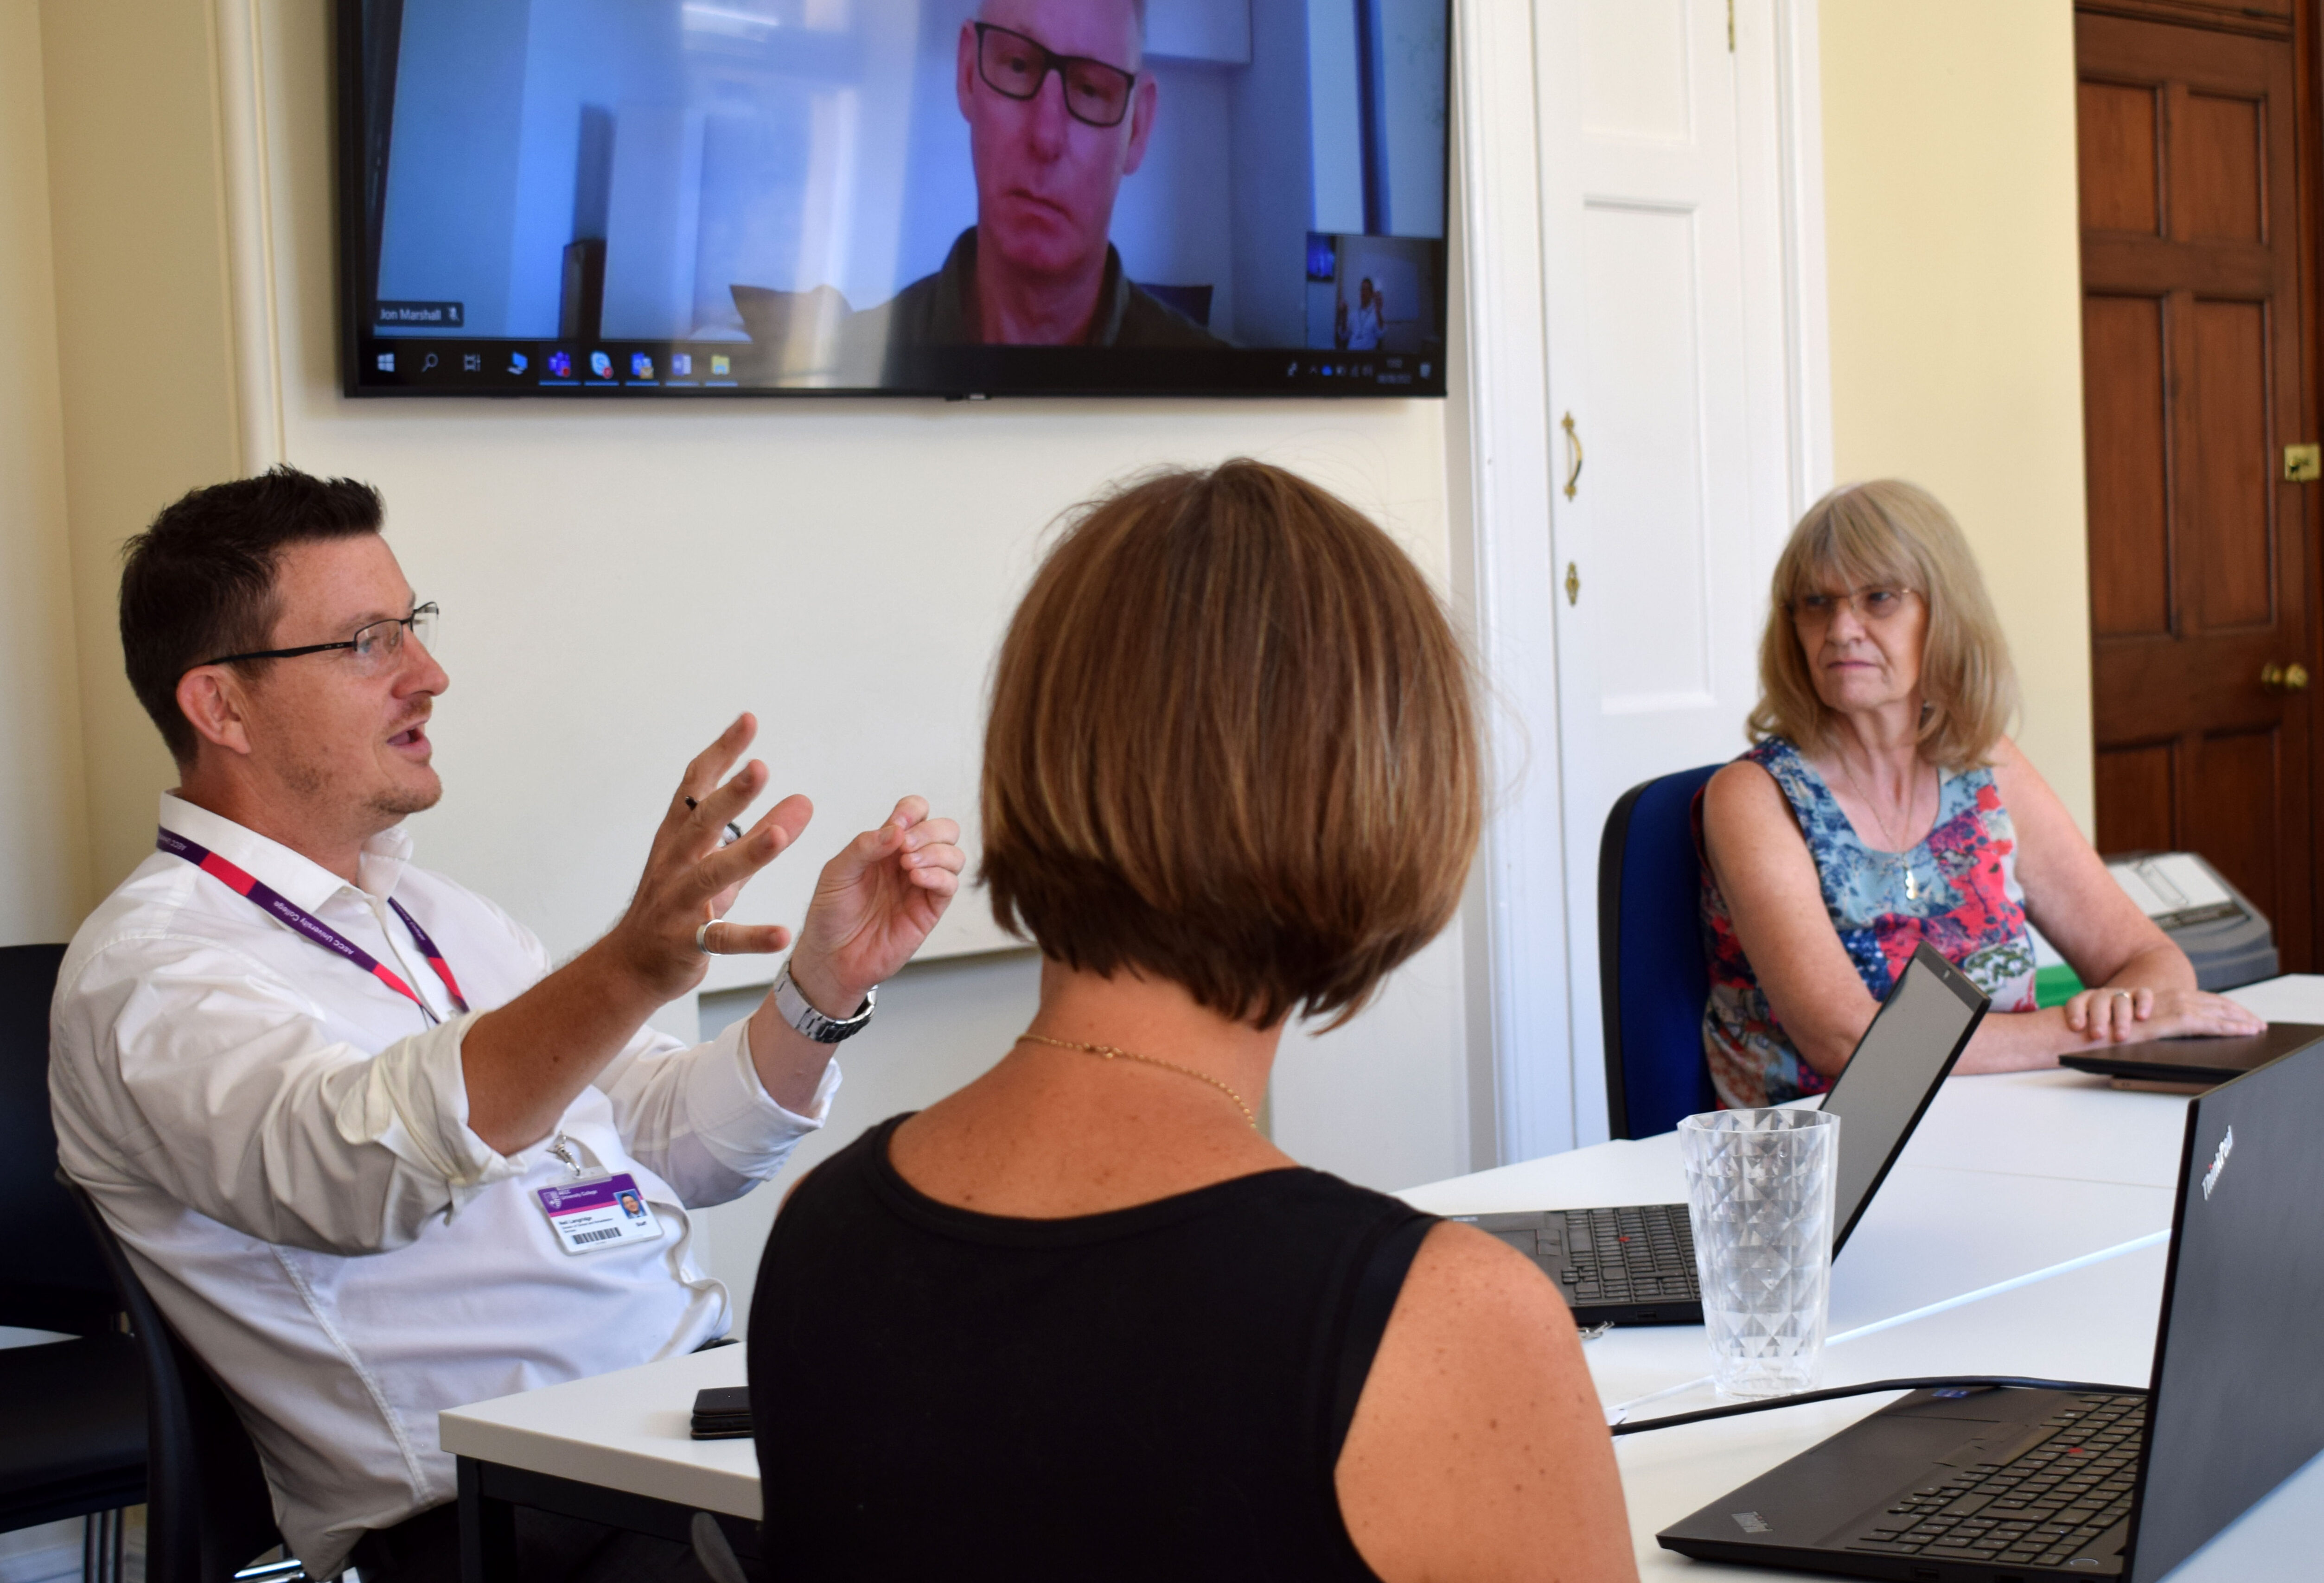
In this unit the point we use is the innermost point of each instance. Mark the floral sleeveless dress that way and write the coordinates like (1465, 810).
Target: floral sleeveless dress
(1964, 899)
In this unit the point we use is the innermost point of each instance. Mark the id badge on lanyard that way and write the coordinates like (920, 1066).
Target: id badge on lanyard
(595, 1210)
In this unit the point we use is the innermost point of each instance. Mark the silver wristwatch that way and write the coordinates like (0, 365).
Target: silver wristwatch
(807, 1020)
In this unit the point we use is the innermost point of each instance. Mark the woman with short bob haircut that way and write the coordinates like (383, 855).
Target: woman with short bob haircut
(1882, 804)
(1081, 1318)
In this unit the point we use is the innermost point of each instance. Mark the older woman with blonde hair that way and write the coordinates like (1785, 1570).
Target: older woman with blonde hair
(1082, 1319)
(1882, 804)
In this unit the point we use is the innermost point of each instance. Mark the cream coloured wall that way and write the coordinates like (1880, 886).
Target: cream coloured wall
(45, 878)
(1956, 310)
(143, 330)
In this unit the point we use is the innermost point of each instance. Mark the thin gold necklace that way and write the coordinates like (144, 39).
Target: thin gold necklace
(1113, 1052)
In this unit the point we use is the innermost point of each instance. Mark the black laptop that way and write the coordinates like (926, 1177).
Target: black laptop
(1636, 1265)
(1991, 1485)
(2202, 1062)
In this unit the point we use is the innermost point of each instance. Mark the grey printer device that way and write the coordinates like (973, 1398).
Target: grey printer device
(2228, 939)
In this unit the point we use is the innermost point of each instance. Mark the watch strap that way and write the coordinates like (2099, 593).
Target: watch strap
(807, 1020)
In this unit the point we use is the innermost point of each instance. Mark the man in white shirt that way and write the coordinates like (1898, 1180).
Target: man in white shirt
(318, 1091)
(1364, 330)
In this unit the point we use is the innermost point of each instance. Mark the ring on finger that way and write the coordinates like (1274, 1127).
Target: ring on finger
(702, 936)
(2122, 994)
(734, 831)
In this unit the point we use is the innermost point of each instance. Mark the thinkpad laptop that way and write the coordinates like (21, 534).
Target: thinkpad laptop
(1636, 1265)
(2007, 1485)
(2202, 1062)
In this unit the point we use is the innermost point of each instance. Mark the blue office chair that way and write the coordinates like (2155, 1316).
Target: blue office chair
(1653, 980)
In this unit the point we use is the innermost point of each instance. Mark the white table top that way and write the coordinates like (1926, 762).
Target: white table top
(2005, 1179)
(624, 1430)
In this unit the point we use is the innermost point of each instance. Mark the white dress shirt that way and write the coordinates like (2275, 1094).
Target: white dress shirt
(280, 1140)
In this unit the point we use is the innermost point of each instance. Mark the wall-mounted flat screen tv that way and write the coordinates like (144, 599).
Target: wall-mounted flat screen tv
(585, 198)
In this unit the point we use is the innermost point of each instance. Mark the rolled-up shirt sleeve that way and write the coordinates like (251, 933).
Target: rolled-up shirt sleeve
(699, 1118)
(241, 1105)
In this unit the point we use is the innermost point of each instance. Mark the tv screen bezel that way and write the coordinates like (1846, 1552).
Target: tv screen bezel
(948, 373)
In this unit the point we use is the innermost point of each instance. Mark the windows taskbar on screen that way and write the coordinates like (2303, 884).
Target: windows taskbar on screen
(431, 366)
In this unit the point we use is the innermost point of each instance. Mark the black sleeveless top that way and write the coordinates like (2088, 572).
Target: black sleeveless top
(1159, 1392)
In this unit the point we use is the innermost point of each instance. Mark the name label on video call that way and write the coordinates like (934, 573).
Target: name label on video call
(590, 1216)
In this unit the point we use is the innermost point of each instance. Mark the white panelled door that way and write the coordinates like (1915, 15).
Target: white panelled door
(1671, 486)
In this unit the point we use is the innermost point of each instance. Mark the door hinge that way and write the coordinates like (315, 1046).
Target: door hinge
(2303, 464)
(1730, 26)
(1572, 583)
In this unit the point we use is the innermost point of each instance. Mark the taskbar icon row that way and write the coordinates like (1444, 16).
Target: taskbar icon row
(444, 364)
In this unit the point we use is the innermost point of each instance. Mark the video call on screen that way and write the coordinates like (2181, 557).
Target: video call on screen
(685, 195)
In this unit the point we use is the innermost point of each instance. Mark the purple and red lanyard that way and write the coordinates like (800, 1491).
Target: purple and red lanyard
(313, 928)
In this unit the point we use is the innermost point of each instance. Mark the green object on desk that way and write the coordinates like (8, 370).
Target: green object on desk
(2056, 985)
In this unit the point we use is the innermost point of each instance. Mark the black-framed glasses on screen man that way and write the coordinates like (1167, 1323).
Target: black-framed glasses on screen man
(1096, 93)
(1876, 604)
(374, 647)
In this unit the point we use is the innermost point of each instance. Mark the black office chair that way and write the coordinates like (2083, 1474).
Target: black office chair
(208, 1511)
(1653, 980)
(72, 1441)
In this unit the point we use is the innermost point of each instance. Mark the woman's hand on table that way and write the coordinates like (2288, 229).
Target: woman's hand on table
(2123, 1014)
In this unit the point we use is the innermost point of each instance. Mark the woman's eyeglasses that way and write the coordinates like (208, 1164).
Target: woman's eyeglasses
(373, 648)
(1876, 604)
(1096, 93)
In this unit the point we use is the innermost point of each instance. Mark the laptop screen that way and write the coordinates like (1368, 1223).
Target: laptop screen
(1915, 1036)
(2238, 1377)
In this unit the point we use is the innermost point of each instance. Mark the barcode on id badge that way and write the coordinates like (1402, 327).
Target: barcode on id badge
(586, 1237)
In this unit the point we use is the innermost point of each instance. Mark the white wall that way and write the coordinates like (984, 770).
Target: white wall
(43, 826)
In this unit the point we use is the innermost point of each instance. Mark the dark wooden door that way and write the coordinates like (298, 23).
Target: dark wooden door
(2195, 377)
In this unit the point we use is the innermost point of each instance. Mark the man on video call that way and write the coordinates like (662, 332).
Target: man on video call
(372, 1158)
(1059, 110)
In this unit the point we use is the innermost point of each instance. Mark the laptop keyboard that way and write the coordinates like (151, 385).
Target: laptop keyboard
(2038, 1509)
(1642, 1254)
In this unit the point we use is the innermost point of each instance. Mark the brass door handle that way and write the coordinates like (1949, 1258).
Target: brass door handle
(1573, 449)
(2284, 678)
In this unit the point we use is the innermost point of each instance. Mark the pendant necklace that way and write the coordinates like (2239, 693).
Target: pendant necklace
(1896, 859)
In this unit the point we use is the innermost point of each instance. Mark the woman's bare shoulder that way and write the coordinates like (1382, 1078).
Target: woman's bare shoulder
(1478, 1447)
(1741, 778)
(1460, 1267)
(2008, 761)
(2024, 790)
(1743, 798)
(1492, 1303)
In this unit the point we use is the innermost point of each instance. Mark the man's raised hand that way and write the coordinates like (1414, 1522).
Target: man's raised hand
(690, 879)
(874, 905)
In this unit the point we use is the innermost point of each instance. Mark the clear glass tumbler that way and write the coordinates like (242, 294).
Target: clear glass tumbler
(1759, 1193)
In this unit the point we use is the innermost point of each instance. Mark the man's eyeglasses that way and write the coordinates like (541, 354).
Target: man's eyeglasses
(374, 647)
(1876, 604)
(1096, 93)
